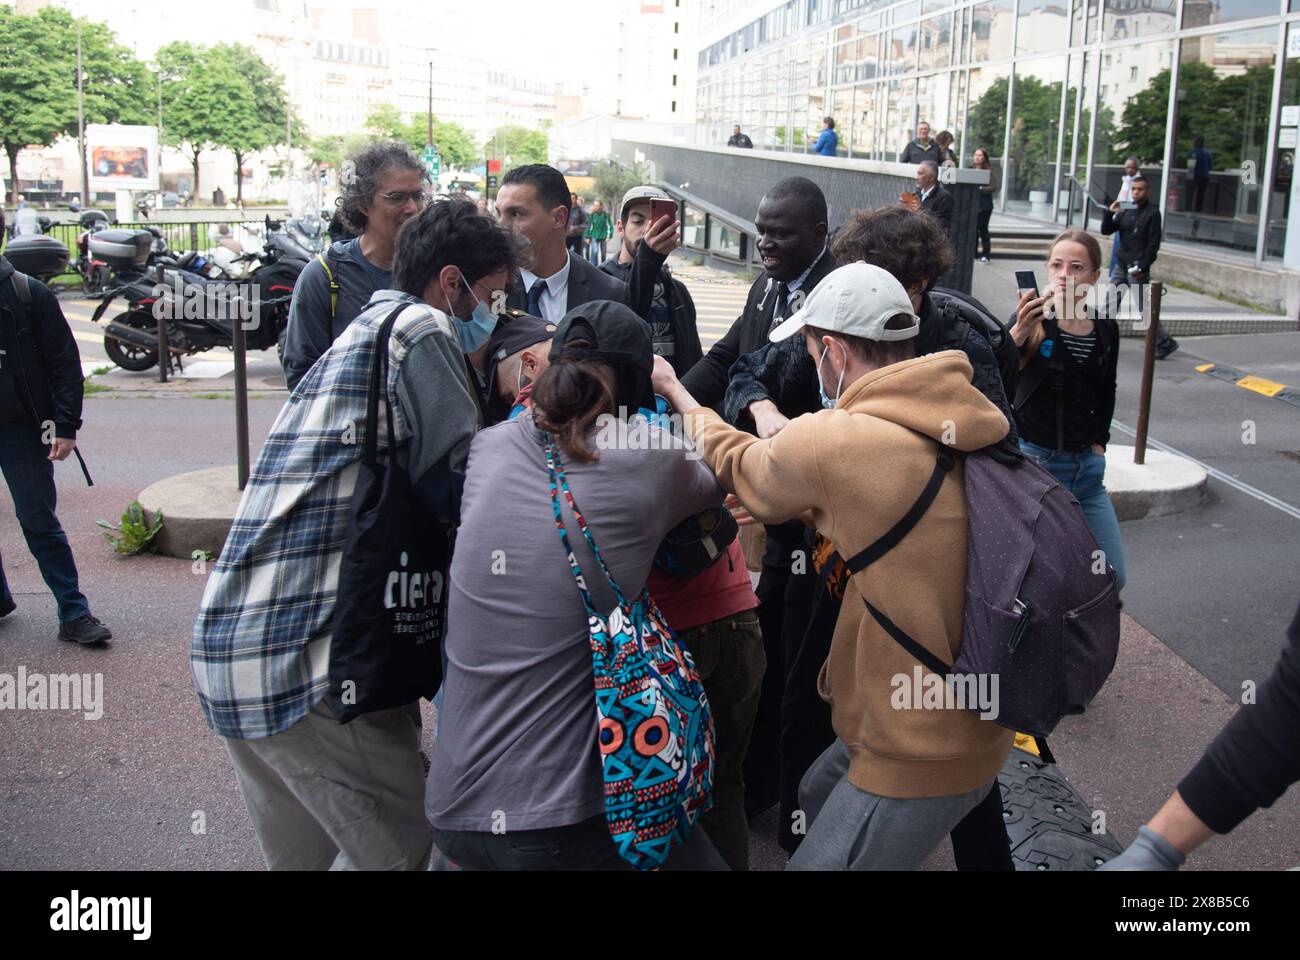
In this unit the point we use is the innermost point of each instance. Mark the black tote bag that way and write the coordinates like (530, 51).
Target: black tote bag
(391, 608)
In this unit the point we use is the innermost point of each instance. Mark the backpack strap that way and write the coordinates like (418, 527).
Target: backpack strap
(23, 286)
(860, 561)
(865, 558)
(334, 284)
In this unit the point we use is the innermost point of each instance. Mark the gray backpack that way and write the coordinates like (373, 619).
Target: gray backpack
(1038, 615)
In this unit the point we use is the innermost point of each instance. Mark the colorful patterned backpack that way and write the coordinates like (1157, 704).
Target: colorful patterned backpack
(655, 732)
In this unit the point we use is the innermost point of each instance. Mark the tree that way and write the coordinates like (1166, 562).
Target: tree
(518, 145)
(272, 115)
(612, 181)
(38, 80)
(202, 97)
(454, 142)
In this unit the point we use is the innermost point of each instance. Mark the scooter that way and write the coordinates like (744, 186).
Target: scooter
(199, 313)
(95, 274)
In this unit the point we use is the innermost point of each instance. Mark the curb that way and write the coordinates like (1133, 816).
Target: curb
(198, 509)
(1166, 484)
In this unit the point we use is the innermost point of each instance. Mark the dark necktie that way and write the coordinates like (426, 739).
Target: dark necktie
(535, 298)
(782, 306)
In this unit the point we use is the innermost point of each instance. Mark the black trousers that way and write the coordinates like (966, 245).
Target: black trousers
(982, 231)
(762, 760)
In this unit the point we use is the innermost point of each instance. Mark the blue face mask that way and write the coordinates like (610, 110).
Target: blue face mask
(475, 331)
(827, 402)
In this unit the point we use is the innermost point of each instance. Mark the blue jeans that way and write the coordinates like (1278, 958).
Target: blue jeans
(30, 477)
(1084, 474)
(596, 251)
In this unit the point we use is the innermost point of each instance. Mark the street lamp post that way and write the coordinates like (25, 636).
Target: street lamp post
(81, 125)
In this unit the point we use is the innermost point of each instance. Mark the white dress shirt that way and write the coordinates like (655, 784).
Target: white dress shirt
(555, 298)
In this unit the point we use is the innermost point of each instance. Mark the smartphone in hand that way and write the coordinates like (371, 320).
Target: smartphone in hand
(1026, 282)
(662, 208)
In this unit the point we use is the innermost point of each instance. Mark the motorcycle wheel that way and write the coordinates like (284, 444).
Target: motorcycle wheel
(127, 355)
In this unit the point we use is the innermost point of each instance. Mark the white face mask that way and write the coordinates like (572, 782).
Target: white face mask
(829, 402)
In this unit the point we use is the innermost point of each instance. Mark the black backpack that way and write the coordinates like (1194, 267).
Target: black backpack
(962, 315)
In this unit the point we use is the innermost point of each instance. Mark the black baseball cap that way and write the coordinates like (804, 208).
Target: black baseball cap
(617, 337)
(515, 331)
(616, 334)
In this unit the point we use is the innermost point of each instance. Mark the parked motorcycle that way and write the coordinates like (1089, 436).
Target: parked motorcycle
(200, 312)
(31, 251)
(95, 274)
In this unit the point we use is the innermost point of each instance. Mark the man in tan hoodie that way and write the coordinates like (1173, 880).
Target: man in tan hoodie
(904, 770)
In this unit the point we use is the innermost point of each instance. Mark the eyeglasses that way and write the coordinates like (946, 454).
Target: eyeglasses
(399, 198)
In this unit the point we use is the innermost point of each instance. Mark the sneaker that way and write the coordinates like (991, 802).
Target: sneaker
(984, 259)
(1163, 350)
(85, 630)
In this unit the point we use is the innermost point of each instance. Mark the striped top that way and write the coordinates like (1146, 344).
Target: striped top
(1079, 348)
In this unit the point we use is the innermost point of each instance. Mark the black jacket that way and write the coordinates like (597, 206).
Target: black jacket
(784, 373)
(1139, 237)
(1068, 406)
(740, 140)
(588, 283)
(1256, 756)
(939, 205)
(709, 380)
(915, 153)
(46, 362)
(669, 294)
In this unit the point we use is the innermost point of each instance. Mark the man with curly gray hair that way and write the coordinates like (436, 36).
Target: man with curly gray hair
(384, 185)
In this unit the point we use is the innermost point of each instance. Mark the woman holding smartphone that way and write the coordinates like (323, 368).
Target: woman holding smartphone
(1069, 355)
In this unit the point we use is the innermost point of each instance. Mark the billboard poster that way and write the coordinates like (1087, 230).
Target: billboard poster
(122, 157)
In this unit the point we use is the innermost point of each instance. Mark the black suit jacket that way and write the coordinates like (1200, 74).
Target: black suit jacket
(588, 283)
(939, 205)
(708, 380)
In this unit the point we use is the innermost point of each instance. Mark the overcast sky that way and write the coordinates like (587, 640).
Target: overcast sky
(552, 38)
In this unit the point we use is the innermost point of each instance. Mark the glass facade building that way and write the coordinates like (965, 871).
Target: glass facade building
(1205, 93)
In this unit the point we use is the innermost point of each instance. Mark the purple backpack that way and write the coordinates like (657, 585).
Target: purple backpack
(1041, 612)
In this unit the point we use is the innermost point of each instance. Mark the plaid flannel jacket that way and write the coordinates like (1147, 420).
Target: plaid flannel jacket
(261, 646)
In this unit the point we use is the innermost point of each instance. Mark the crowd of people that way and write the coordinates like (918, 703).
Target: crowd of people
(513, 375)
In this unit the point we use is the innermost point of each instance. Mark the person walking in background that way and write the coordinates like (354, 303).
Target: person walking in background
(947, 158)
(599, 230)
(1125, 196)
(40, 414)
(738, 139)
(1139, 243)
(921, 147)
(980, 161)
(577, 229)
(828, 140)
(1066, 395)
(1201, 162)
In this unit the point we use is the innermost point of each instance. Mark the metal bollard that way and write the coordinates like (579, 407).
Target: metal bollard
(1148, 375)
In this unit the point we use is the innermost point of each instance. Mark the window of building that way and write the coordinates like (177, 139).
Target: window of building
(1044, 26)
(1216, 168)
(991, 30)
(1204, 13)
(1126, 19)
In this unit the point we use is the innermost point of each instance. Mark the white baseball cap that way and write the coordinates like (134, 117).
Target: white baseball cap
(857, 299)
